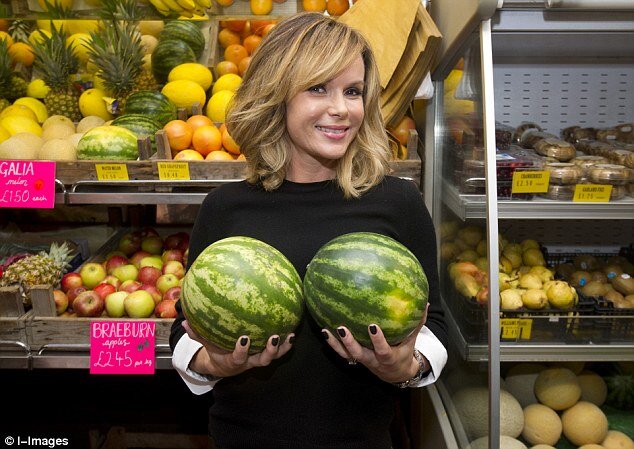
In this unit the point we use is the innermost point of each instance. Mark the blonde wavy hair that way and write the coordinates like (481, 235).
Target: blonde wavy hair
(302, 51)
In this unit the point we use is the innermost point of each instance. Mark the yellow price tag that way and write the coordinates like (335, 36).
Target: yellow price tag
(592, 193)
(515, 328)
(171, 171)
(530, 182)
(112, 172)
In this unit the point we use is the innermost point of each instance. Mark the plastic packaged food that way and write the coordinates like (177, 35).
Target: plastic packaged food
(630, 189)
(629, 161)
(559, 149)
(513, 159)
(559, 192)
(618, 156)
(563, 173)
(609, 174)
(607, 134)
(567, 133)
(579, 134)
(532, 137)
(586, 162)
(618, 192)
(626, 132)
(523, 127)
(503, 136)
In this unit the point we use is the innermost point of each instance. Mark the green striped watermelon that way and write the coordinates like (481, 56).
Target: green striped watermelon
(364, 278)
(186, 31)
(242, 286)
(139, 124)
(168, 54)
(152, 104)
(108, 143)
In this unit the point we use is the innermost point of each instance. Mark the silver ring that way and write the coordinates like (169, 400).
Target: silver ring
(352, 361)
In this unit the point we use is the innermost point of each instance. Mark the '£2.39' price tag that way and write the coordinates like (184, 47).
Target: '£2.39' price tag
(592, 193)
(173, 171)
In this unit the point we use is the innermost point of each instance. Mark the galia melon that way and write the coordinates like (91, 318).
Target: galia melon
(542, 425)
(520, 382)
(593, 387)
(584, 423)
(617, 440)
(506, 442)
(557, 388)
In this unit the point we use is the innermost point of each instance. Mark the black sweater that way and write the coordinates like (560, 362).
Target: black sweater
(311, 398)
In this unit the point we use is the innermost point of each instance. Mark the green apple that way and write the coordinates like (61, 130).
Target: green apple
(151, 261)
(92, 274)
(126, 272)
(165, 282)
(139, 304)
(114, 304)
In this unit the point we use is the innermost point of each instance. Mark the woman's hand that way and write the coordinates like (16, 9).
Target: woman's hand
(389, 363)
(218, 362)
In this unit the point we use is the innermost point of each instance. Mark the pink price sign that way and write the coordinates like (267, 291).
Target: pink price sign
(122, 347)
(27, 184)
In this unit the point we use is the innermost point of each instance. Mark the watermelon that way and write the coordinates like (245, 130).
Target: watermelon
(242, 286)
(108, 143)
(152, 104)
(186, 31)
(168, 54)
(139, 124)
(365, 278)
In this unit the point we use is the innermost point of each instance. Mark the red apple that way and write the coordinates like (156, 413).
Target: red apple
(71, 280)
(61, 301)
(184, 244)
(151, 261)
(104, 289)
(73, 293)
(112, 279)
(130, 244)
(157, 296)
(139, 304)
(153, 244)
(174, 267)
(173, 241)
(173, 294)
(130, 286)
(137, 257)
(114, 262)
(68, 314)
(126, 272)
(148, 275)
(88, 303)
(166, 309)
(172, 254)
(114, 304)
(148, 231)
(114, 253)
(92, 274)
(165, 282)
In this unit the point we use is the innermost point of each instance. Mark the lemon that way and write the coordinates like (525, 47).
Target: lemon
(37, 36)
(82, 26)
(91, 103)
(35, 105)
(18, 109)
(79, 42)
(184, 94)
(229, 81)
(152, 27)
(57, 23)
(15, 124)
(4, 36)
(192, 71)
(217, 106)
(4, 134)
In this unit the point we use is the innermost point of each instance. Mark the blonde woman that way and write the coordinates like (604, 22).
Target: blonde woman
(307, 118)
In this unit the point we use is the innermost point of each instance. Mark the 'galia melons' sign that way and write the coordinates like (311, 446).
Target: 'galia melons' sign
(27, 184)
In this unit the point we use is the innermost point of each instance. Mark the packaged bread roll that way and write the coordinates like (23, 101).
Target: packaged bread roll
(559, 149)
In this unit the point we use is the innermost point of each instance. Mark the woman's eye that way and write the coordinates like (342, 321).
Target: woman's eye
(318, 88)
(353, 91)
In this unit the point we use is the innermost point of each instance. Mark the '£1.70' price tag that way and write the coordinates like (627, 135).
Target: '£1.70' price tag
(530, 182)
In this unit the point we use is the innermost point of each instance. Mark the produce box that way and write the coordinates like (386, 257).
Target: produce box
(243, 10)
(12, 319)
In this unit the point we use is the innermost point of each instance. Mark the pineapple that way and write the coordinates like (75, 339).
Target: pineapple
(12, 85)
(127, 10)
(57, 63)
(20, 30)
(117, 52)
(45, 268)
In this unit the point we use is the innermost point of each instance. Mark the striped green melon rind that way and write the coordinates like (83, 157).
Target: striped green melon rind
(168, 54)
(108, 143)
(242, 286)
(140, 124)
(187, 31)
(365, 278)
(152, 104)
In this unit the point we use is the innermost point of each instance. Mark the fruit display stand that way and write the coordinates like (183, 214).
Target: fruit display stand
(13, 341)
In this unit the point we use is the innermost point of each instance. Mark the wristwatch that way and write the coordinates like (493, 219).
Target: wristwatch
(421, 374)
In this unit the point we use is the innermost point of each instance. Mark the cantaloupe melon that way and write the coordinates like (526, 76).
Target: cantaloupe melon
(584, 423)
(542, 425)
(591, 446)
(21, 146)
(574, 366)
(593, 387)
(472, 406)
(520, 382)
(543, 446)
(57, 150)
(557, 388)
(617, 440)
(506, 442)
(57, 131)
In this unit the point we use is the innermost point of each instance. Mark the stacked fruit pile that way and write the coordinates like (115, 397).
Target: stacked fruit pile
(140, 279)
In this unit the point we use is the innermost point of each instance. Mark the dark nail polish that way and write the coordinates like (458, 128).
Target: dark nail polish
(291, 339)
(341, 331)
(275, 341)
(244, 341)
(373, 329)
(325, 334)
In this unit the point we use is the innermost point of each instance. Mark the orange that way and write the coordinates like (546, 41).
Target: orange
(257, 26)
(228, 37)
(233, 25)
(401, 131)
(219, 156)
(22, 53)
(243, 65)
(246, 31)
(179, 134)
(188, 155)
(206, 139)
(222, 128)
(224, 67)
(314, 5)
(337, 7)
(225, 2)
(198, 120)
(235, 53)
(251, 43)
(228, 143)
(261, 7)
(267, 29)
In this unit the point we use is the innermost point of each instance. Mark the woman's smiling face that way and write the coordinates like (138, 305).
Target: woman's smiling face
(322, 122)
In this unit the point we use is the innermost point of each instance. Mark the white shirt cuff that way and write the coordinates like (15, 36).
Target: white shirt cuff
(184, 352)
(434, 352)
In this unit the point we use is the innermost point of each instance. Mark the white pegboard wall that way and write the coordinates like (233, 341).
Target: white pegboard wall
(557, 96)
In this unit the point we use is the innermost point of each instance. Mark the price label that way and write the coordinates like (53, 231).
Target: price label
(27, 184)
(112, 172)
(515, 328)
(173, 171)
(122, 347)
(592, 193)
(530, 182)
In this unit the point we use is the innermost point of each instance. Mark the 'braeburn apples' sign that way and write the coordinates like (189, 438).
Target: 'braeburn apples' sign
(122, 347)
(27, 184)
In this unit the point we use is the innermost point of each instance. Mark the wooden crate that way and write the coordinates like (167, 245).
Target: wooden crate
(241, 10)
(12, 319)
